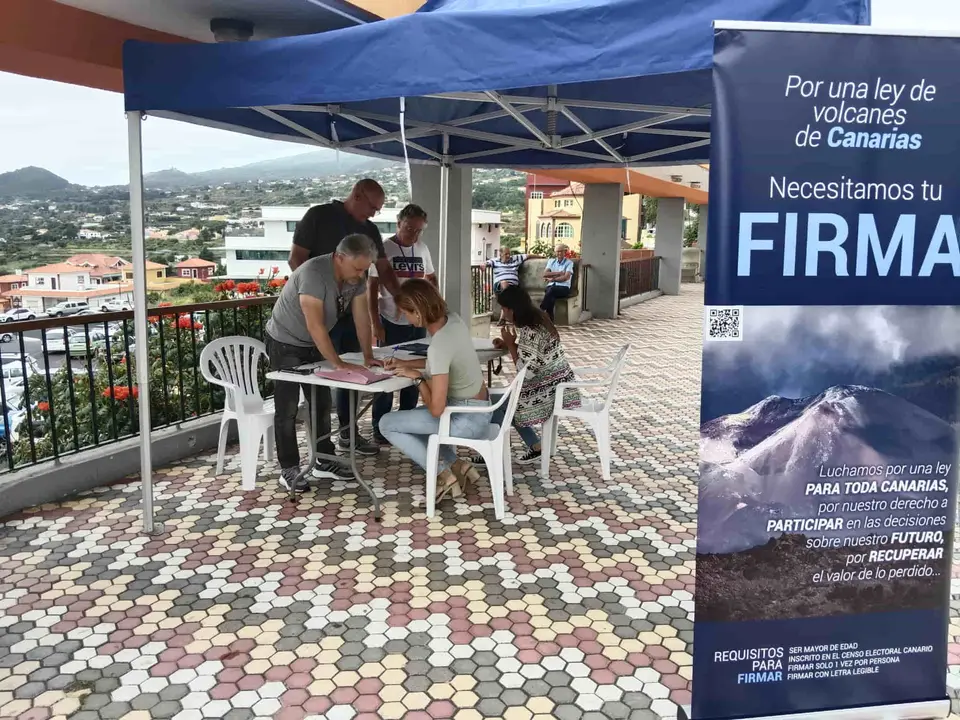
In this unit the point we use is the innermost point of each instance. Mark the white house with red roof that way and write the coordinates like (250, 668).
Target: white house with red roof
(89, 276)
(196, 269)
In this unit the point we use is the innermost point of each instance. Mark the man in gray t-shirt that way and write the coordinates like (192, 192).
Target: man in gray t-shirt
(319, 298)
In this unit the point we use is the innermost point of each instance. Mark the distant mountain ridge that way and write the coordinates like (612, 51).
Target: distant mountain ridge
(317, 163)
(31, 182)
(36, 182)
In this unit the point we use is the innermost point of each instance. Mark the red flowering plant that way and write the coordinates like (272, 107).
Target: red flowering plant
(120, 393)
(225, 289)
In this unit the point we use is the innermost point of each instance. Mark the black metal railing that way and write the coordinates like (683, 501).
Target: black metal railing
(481, 289)
(584, 280)
(639, 276)
(69, 384)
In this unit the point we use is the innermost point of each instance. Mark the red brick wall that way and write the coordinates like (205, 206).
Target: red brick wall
(635, 254)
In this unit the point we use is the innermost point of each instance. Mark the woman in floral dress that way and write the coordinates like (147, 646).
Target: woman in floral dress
(533, 342)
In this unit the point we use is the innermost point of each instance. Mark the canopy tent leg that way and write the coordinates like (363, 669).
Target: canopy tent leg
(140, 323)
(444, 234)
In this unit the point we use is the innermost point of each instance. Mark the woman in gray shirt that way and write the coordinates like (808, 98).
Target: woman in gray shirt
(451, 376)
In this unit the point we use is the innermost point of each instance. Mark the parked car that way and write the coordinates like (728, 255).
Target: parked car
(14, 379)
(17, 315)
(6, 337)
(75, 344)
(15, 357)
(114, 305)
(68, 307)
(10, 421)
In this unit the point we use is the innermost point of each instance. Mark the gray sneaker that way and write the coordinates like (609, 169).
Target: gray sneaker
(364, 447)
(288, 480)
(325, 469)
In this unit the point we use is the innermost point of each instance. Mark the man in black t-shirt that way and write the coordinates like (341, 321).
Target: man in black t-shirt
(319, 233)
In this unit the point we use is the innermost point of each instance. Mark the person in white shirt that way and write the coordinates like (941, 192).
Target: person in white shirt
(410, 258)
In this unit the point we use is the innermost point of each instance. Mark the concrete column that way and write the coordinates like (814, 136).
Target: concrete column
(669, 245)
(702, 239)
(600, 247)
(452, 262)
(426, 194)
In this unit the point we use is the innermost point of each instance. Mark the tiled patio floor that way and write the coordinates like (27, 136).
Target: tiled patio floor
(578, 605)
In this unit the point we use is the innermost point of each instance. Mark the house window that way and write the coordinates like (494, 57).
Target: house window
(292, 225)
(564, 230)
(536, 195)
(623, 228)
(80, 281)
(567, 203)
(41, 281)
(556, 203)
(266, 255)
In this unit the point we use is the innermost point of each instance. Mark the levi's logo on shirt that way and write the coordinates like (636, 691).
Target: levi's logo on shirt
(408, 267)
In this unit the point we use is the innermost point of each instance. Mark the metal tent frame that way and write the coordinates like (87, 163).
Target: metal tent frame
(653, 120)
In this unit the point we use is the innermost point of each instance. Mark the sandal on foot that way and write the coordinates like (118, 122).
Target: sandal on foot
(448, 484)
(466, 473)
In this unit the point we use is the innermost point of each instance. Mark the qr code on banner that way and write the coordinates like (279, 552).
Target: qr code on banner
(724, 323)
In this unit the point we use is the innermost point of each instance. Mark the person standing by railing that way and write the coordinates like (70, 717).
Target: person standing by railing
(559, 277)
(410, 259)
(323, 295)
(318, 233)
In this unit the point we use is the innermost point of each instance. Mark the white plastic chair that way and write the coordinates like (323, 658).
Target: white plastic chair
(232, 363)
(594, 411)
(495, 448)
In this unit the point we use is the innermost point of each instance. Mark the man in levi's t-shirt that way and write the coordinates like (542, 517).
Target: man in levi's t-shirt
(409, 258)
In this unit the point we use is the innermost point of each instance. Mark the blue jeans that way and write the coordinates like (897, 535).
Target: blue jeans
(383, 402)
(527, 434)
(409, 431)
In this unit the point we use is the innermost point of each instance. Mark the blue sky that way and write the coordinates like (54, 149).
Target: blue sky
(80, 133)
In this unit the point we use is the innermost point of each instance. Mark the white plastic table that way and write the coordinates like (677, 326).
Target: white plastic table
(486, 353)
(391, 384)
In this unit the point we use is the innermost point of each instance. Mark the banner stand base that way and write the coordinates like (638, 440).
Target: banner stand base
(930, 710)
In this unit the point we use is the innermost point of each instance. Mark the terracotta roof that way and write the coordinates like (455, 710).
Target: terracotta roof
(574, 188)
(98, 264)
(94, 264)
(12, 278)
(195, 263)
(98, 291)
(560, 214)
(56, 268)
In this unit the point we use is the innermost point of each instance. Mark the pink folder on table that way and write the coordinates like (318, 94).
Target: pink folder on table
(355, 377)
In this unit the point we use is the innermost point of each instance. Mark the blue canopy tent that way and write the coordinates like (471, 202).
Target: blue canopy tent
(505, 83)
(537, 83)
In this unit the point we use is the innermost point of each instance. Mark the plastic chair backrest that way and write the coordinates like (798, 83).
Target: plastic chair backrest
(615, 369)
(233, 363)
(514, 393)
